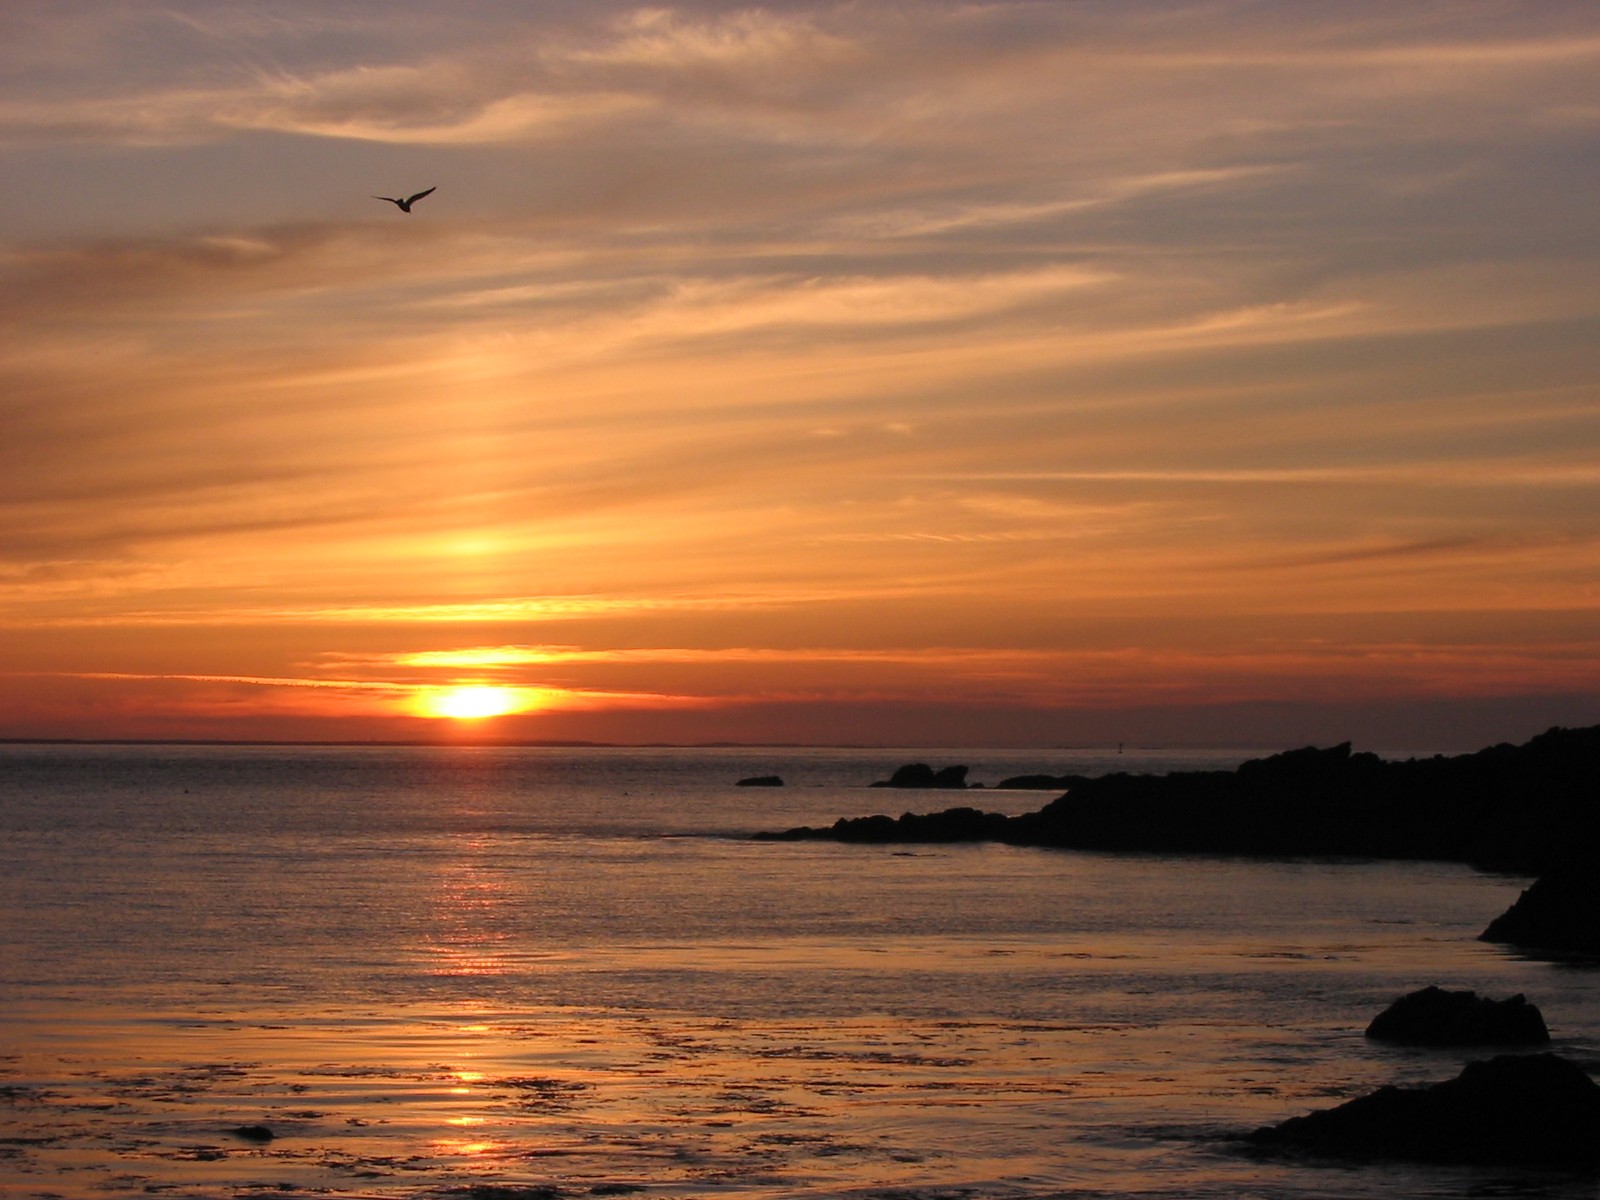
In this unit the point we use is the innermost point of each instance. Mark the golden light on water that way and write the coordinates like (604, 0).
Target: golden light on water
(464, 1148)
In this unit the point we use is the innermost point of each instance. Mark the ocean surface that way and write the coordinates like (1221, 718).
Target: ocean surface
(435, 972)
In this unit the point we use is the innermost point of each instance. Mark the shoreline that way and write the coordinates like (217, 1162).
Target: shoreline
(1519, 809)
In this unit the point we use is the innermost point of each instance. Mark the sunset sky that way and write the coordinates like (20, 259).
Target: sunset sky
(1033, 373)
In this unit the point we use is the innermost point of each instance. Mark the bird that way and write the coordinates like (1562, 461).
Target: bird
(405, 205)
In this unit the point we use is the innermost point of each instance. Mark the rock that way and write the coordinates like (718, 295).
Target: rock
(1535, 1110)
(921, 775)
(762, 781)
(1038, 783)
(951, 825)
(253, 1133)
(1434, 1017)
(1560, 913)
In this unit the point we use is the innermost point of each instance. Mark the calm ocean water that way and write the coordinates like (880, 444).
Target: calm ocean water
(481, 972)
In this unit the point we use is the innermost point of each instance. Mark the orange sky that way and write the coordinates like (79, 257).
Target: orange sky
(1007, 373)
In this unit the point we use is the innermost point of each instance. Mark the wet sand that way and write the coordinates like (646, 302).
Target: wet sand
(600, 1103)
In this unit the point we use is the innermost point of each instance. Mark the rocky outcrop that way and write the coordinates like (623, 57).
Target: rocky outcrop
(1435, 1017)
(951, 825)
(1513, 1110)
(921, 775)
(1560, 913)
(762, 781)
(1510, 807)
(1040, 783)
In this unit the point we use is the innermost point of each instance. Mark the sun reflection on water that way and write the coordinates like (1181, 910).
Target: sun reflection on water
(465, 1149)
(470, 905)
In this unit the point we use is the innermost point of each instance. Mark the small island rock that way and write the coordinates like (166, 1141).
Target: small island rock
(1435, 1017)
(921, 775)
(1515, 1109)
(762, 781)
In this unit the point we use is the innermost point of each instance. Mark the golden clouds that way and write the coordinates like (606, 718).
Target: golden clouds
(1007, 355)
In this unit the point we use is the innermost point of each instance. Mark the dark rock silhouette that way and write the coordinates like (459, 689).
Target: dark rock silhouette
(921, 775)
(1519, 808)
(1559, 913)
(1537, 1110)
(1435, 1017)
(951, 825)
(762, 781)
(254, 1133)
(1039, 783)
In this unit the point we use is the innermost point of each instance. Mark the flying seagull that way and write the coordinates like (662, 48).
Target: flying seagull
(405, 205)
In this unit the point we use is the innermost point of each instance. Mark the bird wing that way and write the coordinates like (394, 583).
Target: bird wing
(420, 195)
(390, 199)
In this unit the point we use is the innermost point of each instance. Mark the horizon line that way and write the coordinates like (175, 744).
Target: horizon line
(576, 743)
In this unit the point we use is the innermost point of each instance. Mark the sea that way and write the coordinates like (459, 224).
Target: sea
(503, 973)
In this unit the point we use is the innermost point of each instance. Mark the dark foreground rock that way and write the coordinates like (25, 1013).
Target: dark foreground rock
(1537, 1110)
(762, 781)
(1435, 1017)
(1559, 913)
(921, 775)
(1518, 808)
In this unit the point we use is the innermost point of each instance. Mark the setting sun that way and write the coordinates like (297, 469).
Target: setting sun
(473, 702)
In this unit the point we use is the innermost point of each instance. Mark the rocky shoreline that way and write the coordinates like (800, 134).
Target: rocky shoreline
(1532, 809)
(1524, 809)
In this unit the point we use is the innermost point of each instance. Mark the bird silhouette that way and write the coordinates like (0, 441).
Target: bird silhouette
(405, 205)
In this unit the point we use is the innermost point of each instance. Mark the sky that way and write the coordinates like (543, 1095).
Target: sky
(905, 373)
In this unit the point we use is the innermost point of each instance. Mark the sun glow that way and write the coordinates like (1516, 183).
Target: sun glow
(474, 702)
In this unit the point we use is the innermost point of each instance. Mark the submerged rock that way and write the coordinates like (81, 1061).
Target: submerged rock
(762, 781)
(1435, 1017)
(253, 1133)
(1560, 912)
(1515, 1109)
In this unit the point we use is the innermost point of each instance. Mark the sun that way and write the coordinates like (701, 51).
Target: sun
(473, 702)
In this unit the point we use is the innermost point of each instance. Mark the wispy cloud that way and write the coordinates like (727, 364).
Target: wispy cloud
(756, 351)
